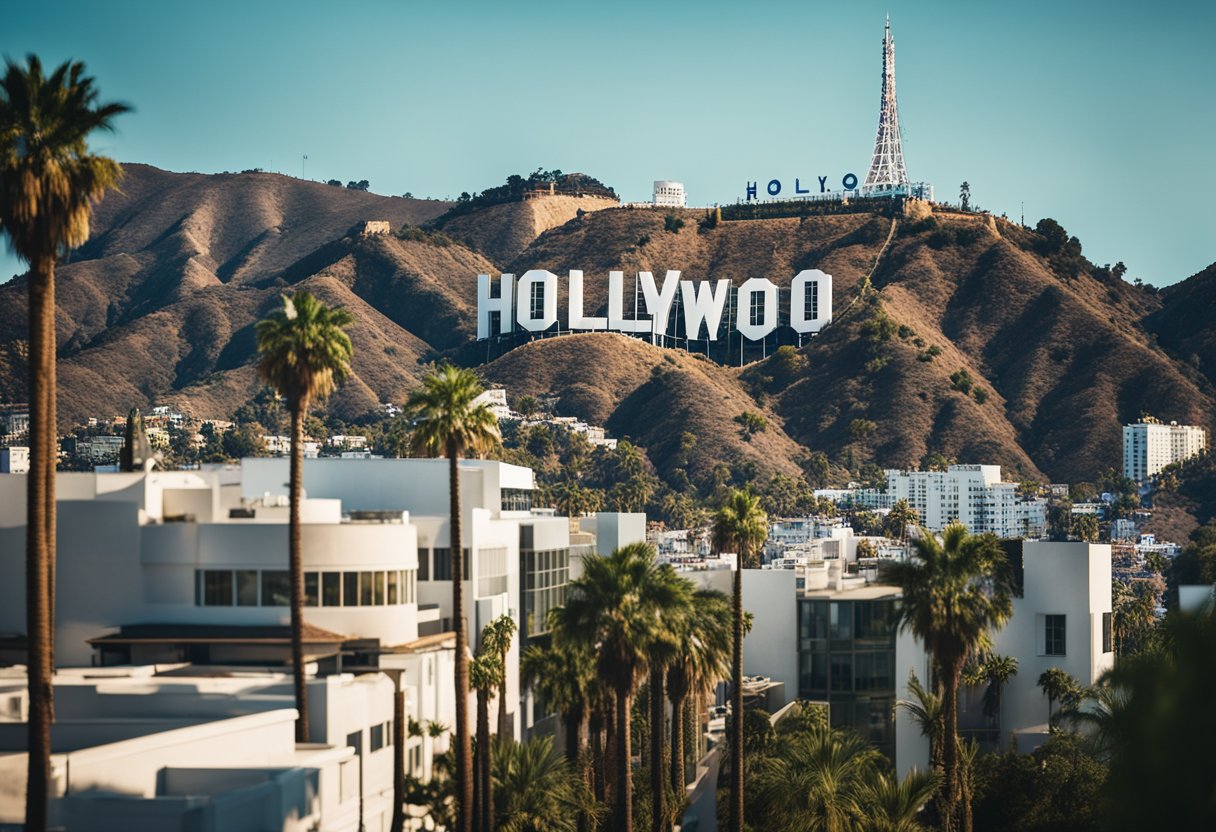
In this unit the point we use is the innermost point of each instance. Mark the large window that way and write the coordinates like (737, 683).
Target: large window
(516, 499)
(1107, 633)
(491, 571)
(272, 588)
(1054, 630)
(546, 573)
(443, 564)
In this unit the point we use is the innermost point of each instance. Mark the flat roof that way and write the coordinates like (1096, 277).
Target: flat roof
(214, 633)
(867, 592)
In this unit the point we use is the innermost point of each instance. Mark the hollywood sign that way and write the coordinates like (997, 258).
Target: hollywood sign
(531, 304)
(848, 182)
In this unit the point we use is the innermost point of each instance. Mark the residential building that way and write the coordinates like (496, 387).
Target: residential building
(14, 459)
(14, 422)
(973, 495)
(1149, 446)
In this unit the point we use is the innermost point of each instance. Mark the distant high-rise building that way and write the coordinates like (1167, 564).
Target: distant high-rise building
(887, 175)
(972, 495)
(1150, 446)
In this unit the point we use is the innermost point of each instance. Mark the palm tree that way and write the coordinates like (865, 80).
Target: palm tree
(485, 673)
(899, 518)
(304, 353)
(447, 423)
(894, 805)
(701, 662)
(739, 524)
(998, 670)
(496, 637)
(663, 650)
(1058, 686)
(817, 781)
(535, 790)
(954, 593)
(615, 610)
(561, 674)
(48, 184)
(925, 708)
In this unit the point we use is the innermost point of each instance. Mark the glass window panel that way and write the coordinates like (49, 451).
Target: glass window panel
(424, 564)
(393, 578)
(311, 579)
(350, 589)
(217, 588)
(246, 588)
(331, 589)
(366, 588)
(841, 619)
(842, 672)
(378, 583)
(276, 588)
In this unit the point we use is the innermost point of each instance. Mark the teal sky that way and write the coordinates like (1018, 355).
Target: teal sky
(1099, 114)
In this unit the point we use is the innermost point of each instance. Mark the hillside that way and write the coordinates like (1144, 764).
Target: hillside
(973, 338)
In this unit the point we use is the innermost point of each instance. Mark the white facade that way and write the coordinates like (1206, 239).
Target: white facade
(668, 194)
(969, 494)
(1148, 447)
(14, 460)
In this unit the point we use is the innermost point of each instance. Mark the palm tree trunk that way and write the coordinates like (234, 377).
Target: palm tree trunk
(596, 729)
(623, 797)
(40, 542)
(482, 800)
(952, 674)
(658, 802)
(464, 750)
(504, 727)
(296, 568)
(677, 746)
(736, 699)
(574, 726)
(610, 752)
(398, 755)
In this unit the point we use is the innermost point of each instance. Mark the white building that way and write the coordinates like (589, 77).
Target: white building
(829, 637)
(495, 401)
(1150, 446)
(177, 747)
(14, 459)
(668, 194)
(972, 495)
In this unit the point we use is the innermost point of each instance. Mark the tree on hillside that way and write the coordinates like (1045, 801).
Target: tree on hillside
(304, 353)
(954, 593)
(49, 182)
(447, 423)
(361, 185)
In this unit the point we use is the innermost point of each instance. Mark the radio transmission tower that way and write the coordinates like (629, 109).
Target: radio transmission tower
(887, 167)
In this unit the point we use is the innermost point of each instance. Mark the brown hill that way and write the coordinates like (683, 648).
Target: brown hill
(958, 336)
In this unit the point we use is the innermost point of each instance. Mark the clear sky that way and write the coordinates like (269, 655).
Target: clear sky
(1099, 114)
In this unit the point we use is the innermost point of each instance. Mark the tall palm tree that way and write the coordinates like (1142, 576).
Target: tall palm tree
(663, 650)
(496, 637)
(954, 593)
(615, 609)
(740, 525)
(447, 423)
(701, 662)
(535, 790)
(998, 670)
(561, 674)
(1058, 686)
(304, 353)
(899, 518)
(48, 183)
(485, 673)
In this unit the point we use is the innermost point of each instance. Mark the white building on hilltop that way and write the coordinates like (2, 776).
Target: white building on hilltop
(969, 494)
(1150, 446)
(668, 194)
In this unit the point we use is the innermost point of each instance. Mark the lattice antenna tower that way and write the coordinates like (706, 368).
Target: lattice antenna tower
(887, 167)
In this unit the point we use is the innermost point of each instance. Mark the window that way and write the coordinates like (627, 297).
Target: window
(393, 578)
(350, 589)
(516, 499)
(842, 621)
(424, 564)
(331, 589)
(842, 672)
(443, 563)
(246, 588)
(491, 571)
(1107, 633)
(276, 589)
(377, 737)
(1054, 628)
(311, 579)
(217, 588)
(355, 741)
